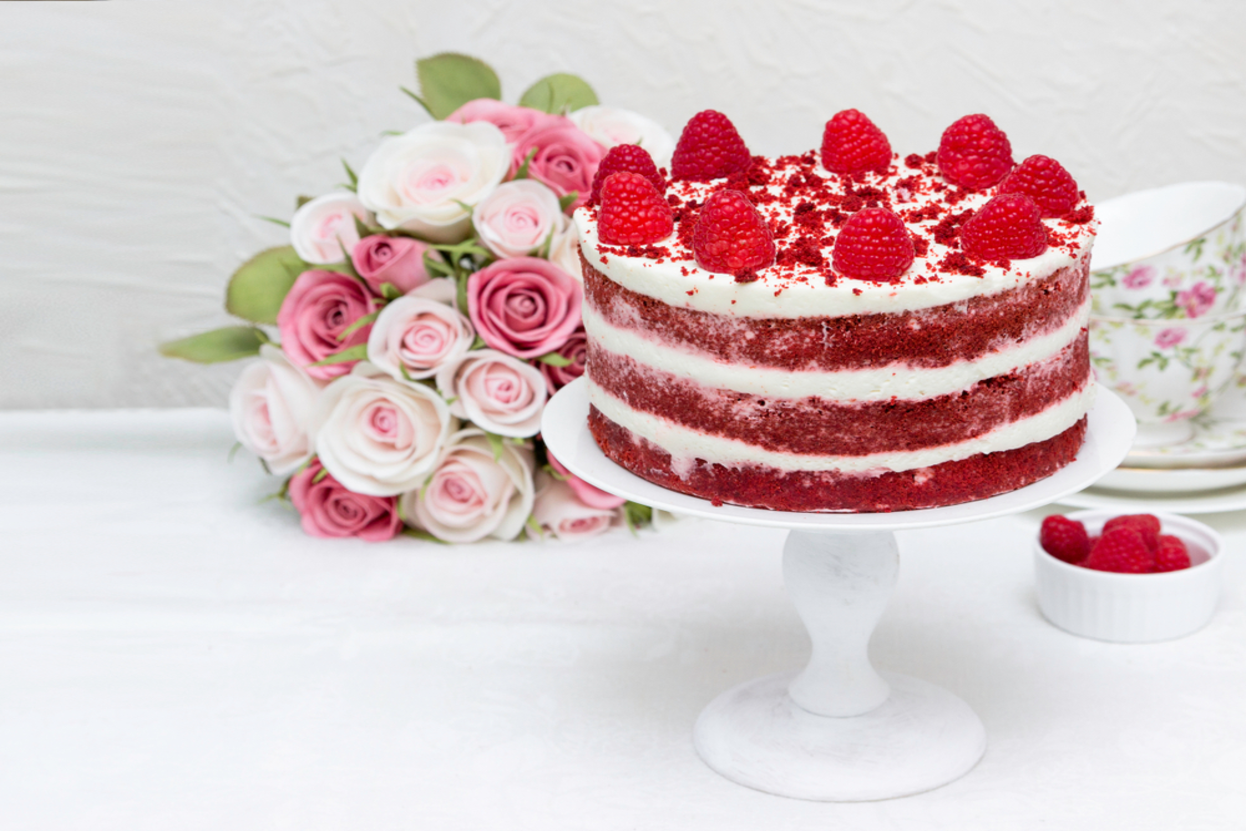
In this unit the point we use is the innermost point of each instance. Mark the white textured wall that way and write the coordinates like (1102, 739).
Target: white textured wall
(138, 138)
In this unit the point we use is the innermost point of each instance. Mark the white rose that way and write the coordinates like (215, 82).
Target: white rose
(271, 405)
(378, 436)
(517, 218)
(416, 336)
(564, 249)
(321, 227)
(558, 511)
(612, 125)
(498, 393)
(417, 180)
(471, 495)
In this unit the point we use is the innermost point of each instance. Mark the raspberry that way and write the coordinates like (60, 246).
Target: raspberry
(1145, 524)
(873, 245)
(1044, 180)
(709, 148)
(632, 211)
(632, 158)
(1006, 228)
(1065, 539)
(851, 143)
(1121, 550)
(731, 237)
(1172, 555)
(974, 153)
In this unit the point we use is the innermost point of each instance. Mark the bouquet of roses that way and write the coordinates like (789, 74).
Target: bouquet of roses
(411, 333)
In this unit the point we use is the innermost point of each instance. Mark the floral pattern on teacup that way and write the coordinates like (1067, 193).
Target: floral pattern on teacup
(1170, 373)
(1204, 276)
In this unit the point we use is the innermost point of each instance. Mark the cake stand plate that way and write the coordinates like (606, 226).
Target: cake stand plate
(838, 730)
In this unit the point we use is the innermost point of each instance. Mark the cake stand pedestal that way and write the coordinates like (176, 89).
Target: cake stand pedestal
(838, 730)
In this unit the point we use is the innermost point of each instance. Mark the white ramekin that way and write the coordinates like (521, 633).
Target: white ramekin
(1133, 608)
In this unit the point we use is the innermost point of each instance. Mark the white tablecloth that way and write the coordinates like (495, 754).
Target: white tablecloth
(176, 654)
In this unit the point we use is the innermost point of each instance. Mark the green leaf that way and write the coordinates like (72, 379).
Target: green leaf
(559, 93)
(422, 535)
(356, 326)
(636, 515)
(354, 179)
(301, 201)
(532, 523)
(389, 291)
(233, 451)
(496, 444)
(355, 353)
(257, 288)
(273, 220)
(567, 201)
(522, 172)
(449, 80)
(554, 359)
(320, 475)
(228, 344)
(363, 230)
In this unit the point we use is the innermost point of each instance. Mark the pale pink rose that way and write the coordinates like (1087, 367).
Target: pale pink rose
(614, 125)
(566, 158)
(574, 350)
(330, 510)
(422, 180)
(379, 436)
(271, 408)
(1139, 277)
(498, 393)
(1198, 299)
(591, 496)
(414, 336)
(323, 230)
(523, 306)
(517, 218)
(471, 495)
(318, 308)
(558, 511)
(381, 259)
(564, 250)
(1168, 338)
(512, 120)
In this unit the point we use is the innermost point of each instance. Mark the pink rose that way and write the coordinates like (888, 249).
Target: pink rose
(330, 510)
(557, 510)
(517, 218)
(397, 260)
(323, 229)
(472, 495)
(1168, 338)
(415, 336)
(498, 393)
(318, 308)
(1139, 277)
(513, 121)
(271, 406)
(613, 125)
(566, 158)
(574, 350)
(1198, 299)
(523, 306)
(564, 250)
(591, 496)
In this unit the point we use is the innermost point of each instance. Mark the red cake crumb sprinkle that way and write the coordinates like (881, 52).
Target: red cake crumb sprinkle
(874, 245)
(632, 211)
(1081, 216)
(1008, 227)
(913, 160)
(974, 153)
(709, 147)
(957, 263)
(629, 157)
(1044, 180)
(731, 236)
(851, 143)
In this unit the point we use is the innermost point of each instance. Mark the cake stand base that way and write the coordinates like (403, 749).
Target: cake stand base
(920, 738)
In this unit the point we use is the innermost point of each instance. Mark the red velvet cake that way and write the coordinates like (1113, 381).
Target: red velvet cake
(843, 331)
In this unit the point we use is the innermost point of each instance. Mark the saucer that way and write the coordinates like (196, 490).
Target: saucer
(1172, 480)
(1206, 502)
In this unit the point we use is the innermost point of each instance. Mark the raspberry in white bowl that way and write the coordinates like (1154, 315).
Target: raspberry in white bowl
(1130, 579)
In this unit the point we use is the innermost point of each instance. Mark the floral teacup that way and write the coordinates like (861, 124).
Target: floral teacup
(1170, 253)
(1167, 371)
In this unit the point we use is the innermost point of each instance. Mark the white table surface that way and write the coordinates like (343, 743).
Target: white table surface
(176, 655)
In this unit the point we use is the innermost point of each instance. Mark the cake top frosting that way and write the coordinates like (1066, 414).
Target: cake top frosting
(805, 207)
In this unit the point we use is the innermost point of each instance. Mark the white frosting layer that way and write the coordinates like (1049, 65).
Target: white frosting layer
(895, 381)
(686, 445)
(680, 283)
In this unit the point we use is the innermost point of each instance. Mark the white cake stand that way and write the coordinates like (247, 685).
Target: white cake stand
(838, 731)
